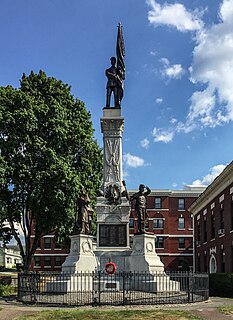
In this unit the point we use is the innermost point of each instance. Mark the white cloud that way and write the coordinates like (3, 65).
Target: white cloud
(133, 161)
(174, 15)
(208, 179)
(159, 100)
(174, 71)
(125, 174)
(153, 53)
(173, 120)
(161, 135)
(212, 66)
(145, 143)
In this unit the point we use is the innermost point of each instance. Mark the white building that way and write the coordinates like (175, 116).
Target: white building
(9, 257)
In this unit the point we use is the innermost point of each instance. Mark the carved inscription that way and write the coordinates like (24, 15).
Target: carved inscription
(112, 235)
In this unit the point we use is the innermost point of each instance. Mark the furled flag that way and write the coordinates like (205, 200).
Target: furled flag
(120, 53)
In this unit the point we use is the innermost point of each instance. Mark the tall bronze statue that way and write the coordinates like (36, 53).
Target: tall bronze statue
(140, 206)
(84, 214)
(116, 73)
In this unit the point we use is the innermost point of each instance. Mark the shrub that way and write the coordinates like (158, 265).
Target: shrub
(7, 290)
(221, 284)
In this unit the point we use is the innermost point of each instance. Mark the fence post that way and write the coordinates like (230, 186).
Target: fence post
(123, 288)
(18, 287)
(99, 285)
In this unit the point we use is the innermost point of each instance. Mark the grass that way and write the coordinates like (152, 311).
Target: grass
(228, 310)
(158, 314)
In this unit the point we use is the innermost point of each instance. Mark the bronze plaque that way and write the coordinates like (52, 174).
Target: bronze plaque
(112, 235)
(111, 285)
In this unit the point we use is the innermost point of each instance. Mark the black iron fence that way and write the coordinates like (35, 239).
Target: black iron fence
(120, 288)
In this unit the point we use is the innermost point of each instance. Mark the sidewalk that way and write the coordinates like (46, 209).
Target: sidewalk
(206, 310)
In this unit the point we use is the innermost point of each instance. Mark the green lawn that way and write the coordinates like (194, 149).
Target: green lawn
(226, 309)
(110, 315)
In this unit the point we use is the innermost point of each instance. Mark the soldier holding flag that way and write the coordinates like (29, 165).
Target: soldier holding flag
(116, 74)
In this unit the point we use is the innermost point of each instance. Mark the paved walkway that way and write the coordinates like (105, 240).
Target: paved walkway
(206, 310)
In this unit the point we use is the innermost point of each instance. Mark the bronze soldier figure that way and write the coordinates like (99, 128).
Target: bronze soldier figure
(84, 214)
(140, 206)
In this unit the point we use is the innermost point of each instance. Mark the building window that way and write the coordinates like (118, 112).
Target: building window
(205, 230)
(232, 259)
(47, 243)
(205, 263)
(198, 232)
(181, 223)
(231, 215)
(181, 204)
(37, 261)
(158, 223)
(131, 223)
(57, 261)
(8, 260)
(183, 264)
(181, 243)
(47, 261)
(158, 203)
(212, 226)
(191, 219)
(198, 264)
(222, 257)
(221, 219)
(159, 242)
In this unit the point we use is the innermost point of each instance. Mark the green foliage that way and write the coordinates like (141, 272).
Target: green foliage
(221, 284)
(47, 154)
(7, 290)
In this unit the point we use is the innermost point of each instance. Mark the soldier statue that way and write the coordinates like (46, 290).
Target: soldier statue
(140, 206)
(116, 74)
(84, 214)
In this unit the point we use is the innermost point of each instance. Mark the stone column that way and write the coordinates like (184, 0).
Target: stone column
(112, 126)
(112, 209)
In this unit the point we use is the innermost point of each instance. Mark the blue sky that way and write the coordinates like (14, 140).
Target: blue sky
(178, 103)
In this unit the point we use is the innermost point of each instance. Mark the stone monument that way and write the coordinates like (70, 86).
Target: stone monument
(112, 209)
(113, 206)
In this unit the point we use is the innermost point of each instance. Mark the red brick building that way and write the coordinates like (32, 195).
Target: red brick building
(168, 218)
(213, 225)
(49, 255)
(172, 223)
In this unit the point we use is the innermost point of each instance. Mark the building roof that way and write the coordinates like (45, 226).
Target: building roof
(214, 189)
(188, 191)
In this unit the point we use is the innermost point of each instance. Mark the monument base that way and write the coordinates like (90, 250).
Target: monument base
(116, 255)
(81, 257)
(145, 261)
(143, 257)
(70, 283)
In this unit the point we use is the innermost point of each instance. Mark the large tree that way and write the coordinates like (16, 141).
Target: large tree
(47, 152)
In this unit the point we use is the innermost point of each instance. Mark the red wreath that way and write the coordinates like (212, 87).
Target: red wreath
(110, 268)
